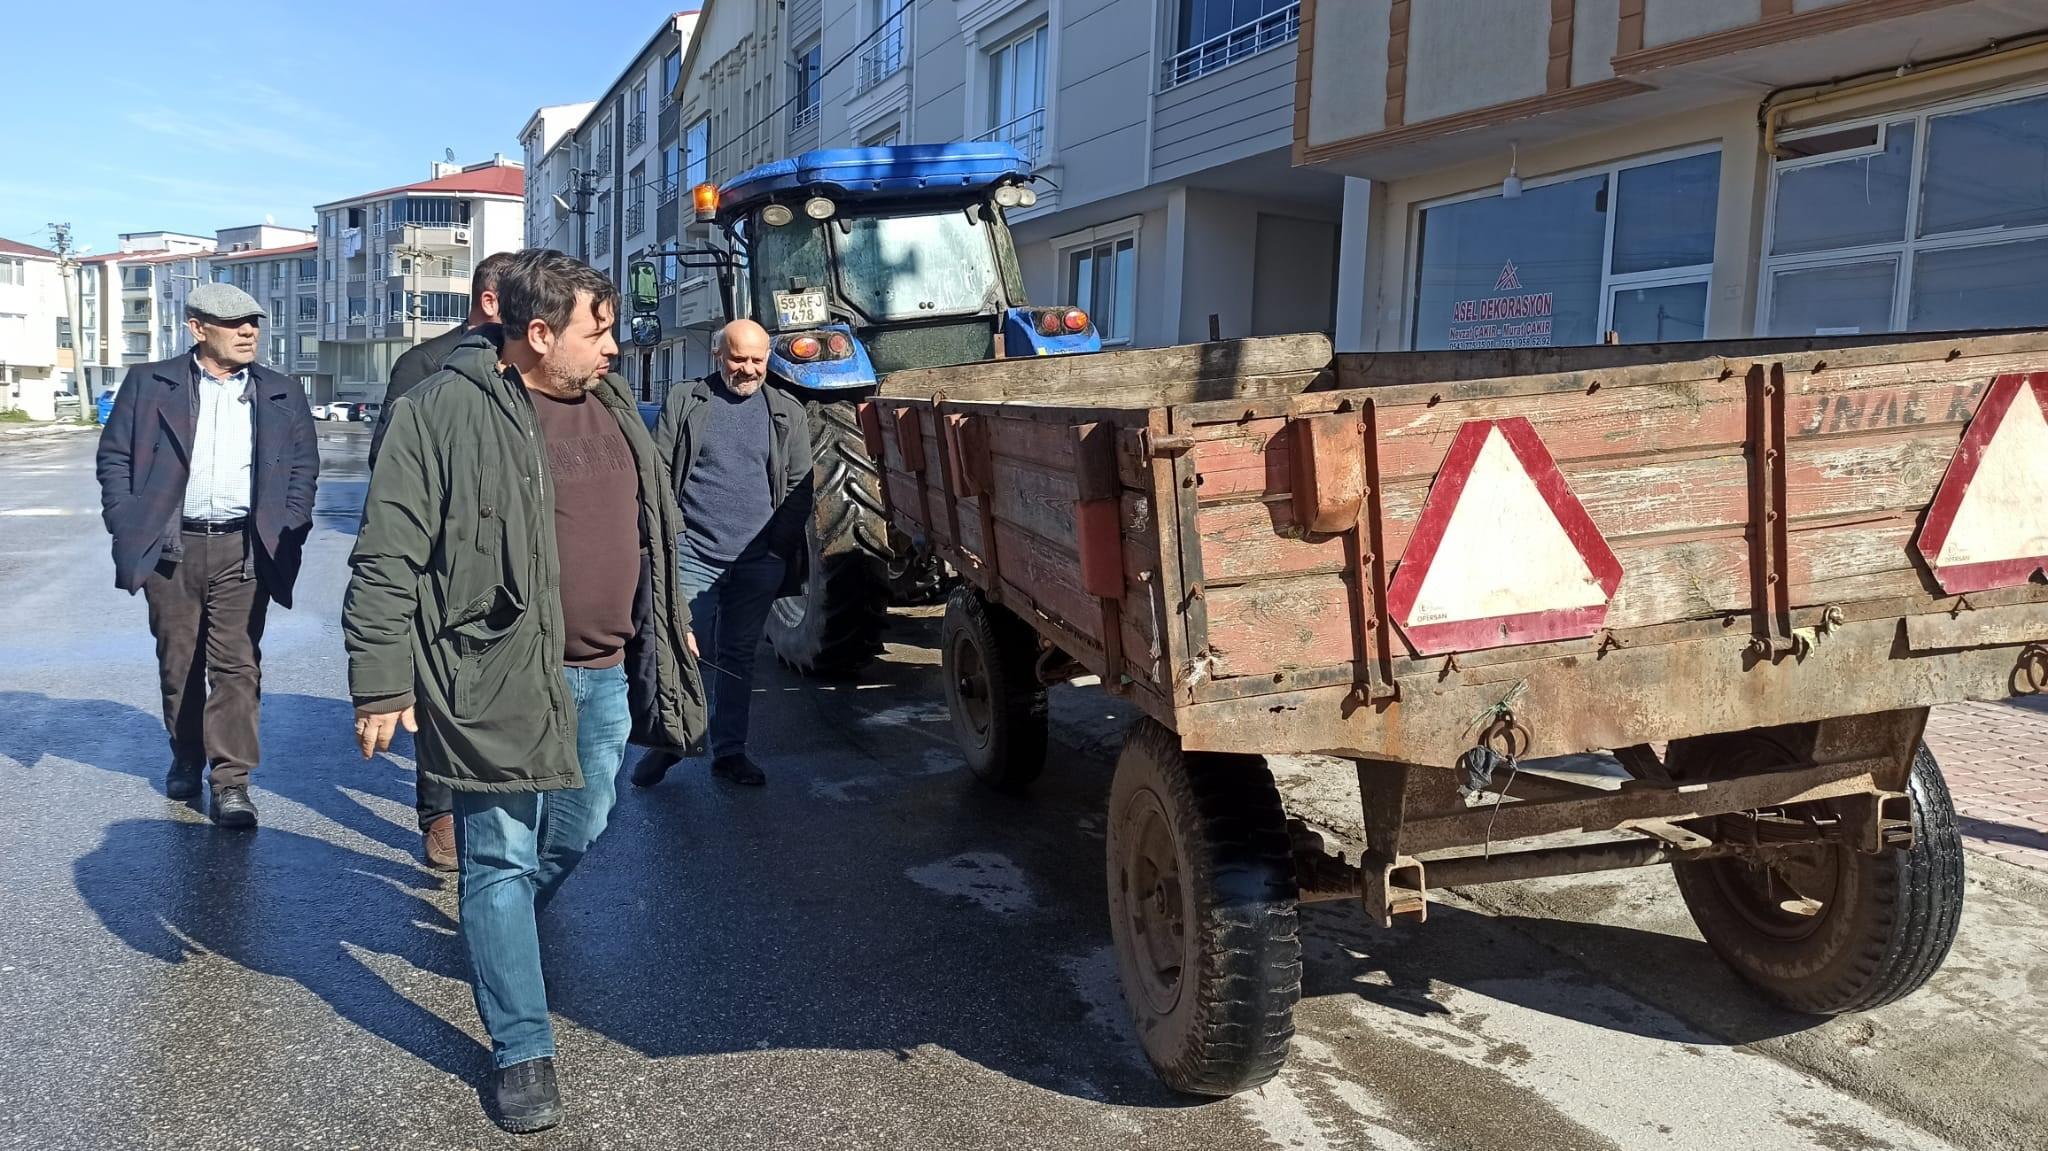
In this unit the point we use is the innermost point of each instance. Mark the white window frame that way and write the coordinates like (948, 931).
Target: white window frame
(1130, 227)
(1904, 252)
(1609, 282)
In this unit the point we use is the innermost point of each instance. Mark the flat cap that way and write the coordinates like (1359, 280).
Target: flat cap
(222, 302)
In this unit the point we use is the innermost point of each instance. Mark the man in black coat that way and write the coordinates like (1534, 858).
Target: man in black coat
(432, 801)
(207, 467)
(423, 360)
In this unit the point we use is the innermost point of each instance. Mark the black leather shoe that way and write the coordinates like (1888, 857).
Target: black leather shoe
(652, 768)
(738, 769)
(527, 1097)
(182, 781)
(232, 808)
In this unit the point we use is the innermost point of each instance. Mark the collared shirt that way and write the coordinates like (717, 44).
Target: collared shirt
(223, 448)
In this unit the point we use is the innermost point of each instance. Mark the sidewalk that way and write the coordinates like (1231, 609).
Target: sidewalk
(1995, 759)
(36, 431)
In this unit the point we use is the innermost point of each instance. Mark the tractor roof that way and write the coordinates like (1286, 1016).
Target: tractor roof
(906, 170)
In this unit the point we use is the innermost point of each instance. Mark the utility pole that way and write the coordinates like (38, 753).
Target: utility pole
(68, 268)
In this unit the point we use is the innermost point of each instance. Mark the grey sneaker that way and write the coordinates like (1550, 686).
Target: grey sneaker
(527, 1097)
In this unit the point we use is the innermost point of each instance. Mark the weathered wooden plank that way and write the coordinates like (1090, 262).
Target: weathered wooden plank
(1871, 559)
(1255, 540)
(1052, 581)
(1042, 442)
(1828, 476)
(1274, 626)
(1918, 396)
(903, 499)
(1685, 415)
(1073, 378)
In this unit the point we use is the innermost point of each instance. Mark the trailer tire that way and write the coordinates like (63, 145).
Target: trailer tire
(990, 661)
(1885, 925)
(1202, 912)
(833, 627)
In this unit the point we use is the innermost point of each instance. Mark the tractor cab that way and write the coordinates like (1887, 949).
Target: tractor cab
(863, 261)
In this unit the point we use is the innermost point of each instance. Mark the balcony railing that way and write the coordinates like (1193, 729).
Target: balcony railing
(883, 58)
(636, 131)
(666, 190)
(805, 116)
(604, 160)
(636, 218)
(1247, 39)
(601, 241)
(1026, 133)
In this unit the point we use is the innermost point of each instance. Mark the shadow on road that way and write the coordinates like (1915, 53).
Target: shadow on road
(306, 754)
(286, 905)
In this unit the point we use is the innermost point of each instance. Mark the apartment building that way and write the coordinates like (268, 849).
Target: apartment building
(551, 186)
(608, 180)
(1653, 170)
(131, 303)
(394, 267)
(280, 267)
(1161, 129)
(35, 330)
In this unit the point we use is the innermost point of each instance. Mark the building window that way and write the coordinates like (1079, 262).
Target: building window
(1856, 247)
(1102, 280)
(809, 62)
(309, 347)
(309, 270)
(63, 331)
(13, 272)
(671, 171)
(309, 308)
(431, 212)
(697, 153)
(671, 72)
(1016, 81)
(636, 118)
(223, 275)
(884, 55)
(276, 310)
(1629, 249)
(1211, 34)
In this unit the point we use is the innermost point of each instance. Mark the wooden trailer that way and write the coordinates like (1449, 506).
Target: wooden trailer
(1744, 569)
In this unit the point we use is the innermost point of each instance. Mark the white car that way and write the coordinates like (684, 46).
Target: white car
(334, 411)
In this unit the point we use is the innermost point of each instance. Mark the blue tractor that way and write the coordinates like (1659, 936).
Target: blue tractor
(861, 262)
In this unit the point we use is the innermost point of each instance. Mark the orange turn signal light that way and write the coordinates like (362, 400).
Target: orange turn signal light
(1076, 320)
(805, 348)
(705, 198)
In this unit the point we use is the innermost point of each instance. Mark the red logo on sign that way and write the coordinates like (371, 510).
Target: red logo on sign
(1503, 552)
(1987, 526)
(1510, 280)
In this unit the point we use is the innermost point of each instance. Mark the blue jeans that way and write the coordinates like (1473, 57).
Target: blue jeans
(729, 604)
(514, 849)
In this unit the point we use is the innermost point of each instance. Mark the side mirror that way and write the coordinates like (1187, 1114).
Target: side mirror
(645, 288)
(646, 331)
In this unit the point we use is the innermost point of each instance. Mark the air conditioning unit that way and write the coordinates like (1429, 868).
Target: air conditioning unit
(462, 236)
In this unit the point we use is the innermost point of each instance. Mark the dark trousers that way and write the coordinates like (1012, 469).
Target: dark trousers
(206, 611)
(431, 798)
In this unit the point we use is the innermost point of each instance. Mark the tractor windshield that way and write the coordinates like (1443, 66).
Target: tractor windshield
(912, 267)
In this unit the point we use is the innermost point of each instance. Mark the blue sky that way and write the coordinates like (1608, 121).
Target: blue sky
(195, 117)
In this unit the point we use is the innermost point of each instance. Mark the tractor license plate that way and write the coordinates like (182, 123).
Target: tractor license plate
(800, 309)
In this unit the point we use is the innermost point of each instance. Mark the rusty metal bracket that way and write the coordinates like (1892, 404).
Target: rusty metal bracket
(1335, 458)
(1160, 447)
(1770, 584)
(2030, 674)
(1098, 533)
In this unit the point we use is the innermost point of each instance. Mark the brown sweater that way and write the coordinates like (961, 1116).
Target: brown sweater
(597, 526)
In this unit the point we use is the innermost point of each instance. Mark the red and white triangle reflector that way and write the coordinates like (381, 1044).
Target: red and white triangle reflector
(1503, 553)
(1988, 524)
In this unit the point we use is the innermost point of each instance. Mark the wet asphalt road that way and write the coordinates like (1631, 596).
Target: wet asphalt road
(869, 952)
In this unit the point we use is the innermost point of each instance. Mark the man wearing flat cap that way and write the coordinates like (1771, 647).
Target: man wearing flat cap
(207, 467)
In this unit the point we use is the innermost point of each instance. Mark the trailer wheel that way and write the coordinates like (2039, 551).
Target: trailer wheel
(834, 626)
(1828, 929)
(998, 706)
(1202, 910)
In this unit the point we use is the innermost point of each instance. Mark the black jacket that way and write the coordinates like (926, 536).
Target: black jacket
(418, 362)
(679, 435)
(145, 459)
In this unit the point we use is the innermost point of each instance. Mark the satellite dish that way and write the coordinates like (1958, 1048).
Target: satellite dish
(449, 153)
